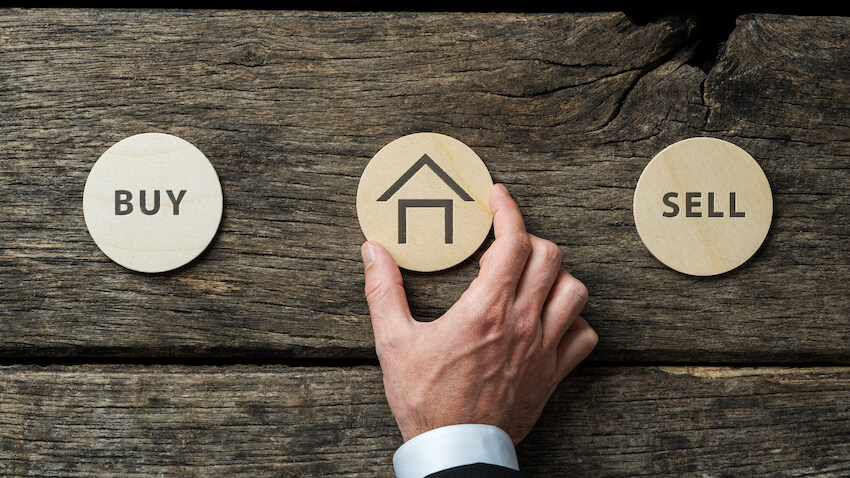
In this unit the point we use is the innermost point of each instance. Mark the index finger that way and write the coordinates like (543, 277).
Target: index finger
(503, 263)
(507, 219)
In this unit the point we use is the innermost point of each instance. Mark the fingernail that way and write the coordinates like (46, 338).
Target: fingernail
(368, 253)
(503, 188)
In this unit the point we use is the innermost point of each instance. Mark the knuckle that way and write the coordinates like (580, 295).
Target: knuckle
(526, 329)
(377, 290)
(551, 252)
(380, 350)
(496, 310)
(383, 345)
(578, 289)
(483, 259)
(473, 293)
(383, 353)
(492, 313)
(591, 338)
(387, 342)
(374, 291)
(520, 243)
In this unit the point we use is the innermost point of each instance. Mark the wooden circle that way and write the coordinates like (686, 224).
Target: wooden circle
(703, 206)
(425, 197)
(152, 202)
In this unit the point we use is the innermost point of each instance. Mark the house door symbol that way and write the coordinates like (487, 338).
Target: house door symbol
(405, 204)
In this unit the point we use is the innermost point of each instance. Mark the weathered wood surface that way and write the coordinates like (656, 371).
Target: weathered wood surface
(565, 109)
(273, 421)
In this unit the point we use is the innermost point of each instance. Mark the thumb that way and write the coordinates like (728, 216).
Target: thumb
(391, 318)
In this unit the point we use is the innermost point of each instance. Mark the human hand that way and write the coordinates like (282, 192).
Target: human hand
(498, 354)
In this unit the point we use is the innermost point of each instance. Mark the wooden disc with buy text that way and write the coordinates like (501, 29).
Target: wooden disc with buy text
(152, 202)
(703, 206)
(425, 198)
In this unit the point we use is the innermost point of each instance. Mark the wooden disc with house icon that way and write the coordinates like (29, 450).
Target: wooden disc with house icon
(425, 198)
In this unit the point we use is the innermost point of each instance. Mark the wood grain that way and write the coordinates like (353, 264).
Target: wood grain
(273, 421)
(565, 109)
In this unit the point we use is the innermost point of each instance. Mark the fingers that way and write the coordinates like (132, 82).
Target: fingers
(507, 219)
(503, 263)
(566, 300)
(391, 317)
(576, 345)
(540, 273)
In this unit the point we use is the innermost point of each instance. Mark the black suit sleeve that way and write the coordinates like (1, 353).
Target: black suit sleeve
(478, 470)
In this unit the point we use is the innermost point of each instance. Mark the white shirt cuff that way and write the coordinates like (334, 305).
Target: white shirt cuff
(453, 446)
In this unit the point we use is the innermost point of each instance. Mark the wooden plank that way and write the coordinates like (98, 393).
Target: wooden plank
(267, 421)
(289, 106)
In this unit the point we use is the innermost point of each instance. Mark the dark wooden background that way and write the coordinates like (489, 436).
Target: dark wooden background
(257, 359)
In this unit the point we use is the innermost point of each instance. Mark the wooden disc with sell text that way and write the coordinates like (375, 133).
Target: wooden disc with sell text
(152, 202)
(425, 198)
(703, 206)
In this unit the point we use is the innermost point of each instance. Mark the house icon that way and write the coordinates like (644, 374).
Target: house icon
(404, 204)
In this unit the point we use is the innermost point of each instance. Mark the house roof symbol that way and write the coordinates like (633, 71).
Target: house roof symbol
(425, 160)
(446, 204)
